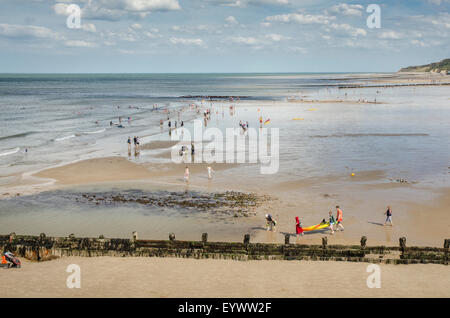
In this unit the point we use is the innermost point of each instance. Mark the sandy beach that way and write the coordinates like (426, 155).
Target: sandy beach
(336, 155)
(174, 277)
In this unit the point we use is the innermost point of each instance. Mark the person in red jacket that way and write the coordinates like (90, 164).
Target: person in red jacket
(339, 218)
(298, 227)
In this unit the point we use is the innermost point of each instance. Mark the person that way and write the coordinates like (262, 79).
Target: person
(339, 218)
(210, 170)
(298, 227)
(270, 222)
(332, 221)
(137, 144)
(129, 144)
(169, 124)
(388, 214)
(192, 149)
(186, 175)
(182, 124)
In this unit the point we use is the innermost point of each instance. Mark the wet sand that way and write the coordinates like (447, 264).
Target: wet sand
(420, 214)
(174, 277)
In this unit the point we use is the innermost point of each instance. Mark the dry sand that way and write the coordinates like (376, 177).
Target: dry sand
(174, 277)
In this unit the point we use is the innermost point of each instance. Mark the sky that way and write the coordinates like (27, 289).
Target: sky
(220, 36)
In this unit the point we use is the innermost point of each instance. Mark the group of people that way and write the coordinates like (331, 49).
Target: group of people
(335, 223)
(136, 144)
(209, 169)
(243, 125)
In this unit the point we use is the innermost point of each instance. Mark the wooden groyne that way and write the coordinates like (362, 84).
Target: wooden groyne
(42, 248)
(391, 85)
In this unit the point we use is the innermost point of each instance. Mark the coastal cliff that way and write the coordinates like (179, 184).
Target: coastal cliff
(437, 67)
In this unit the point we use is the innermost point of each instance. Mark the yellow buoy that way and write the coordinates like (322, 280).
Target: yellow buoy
(353, 174)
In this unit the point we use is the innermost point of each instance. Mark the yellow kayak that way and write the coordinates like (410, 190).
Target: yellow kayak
(316, 227)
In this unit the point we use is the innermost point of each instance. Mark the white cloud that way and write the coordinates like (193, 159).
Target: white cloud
(231, 20)
(78, 43)
(393, 35)
(244, 40)
(117, 9)
(348, 29)
(301, 18)
(245, 3)
(185, 41)
(27, 31)
(89, 27)
(258, 41)
(347, 9)
(136, 26)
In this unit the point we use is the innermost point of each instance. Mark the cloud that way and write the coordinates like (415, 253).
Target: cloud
(348, 29)
(245, 3)
(392, 35)
(27, 32)
(89, 27)
(347, 9)
(244, 40)
(79, 43)
(186, 41)
(300, 18)
(258, 42)
(114, 10)
(231, 20)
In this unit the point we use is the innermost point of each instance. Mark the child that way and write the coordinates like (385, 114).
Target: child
(332, 221)
(298, 227)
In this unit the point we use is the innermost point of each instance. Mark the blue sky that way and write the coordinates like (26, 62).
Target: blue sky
(153, 36)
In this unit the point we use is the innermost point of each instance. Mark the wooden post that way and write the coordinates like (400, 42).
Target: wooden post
(402, 242)
(172, 237)
(247, 239)
(363, 241)
(205, 237)
(286, 238)
(446, 247)
(324, 242)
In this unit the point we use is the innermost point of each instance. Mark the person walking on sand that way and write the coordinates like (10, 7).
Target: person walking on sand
(210, 170)
(388, 214)
(129, 144)
(332, 221)
(298, 227)
(339, 218)
(186, 175)
(270, 223)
